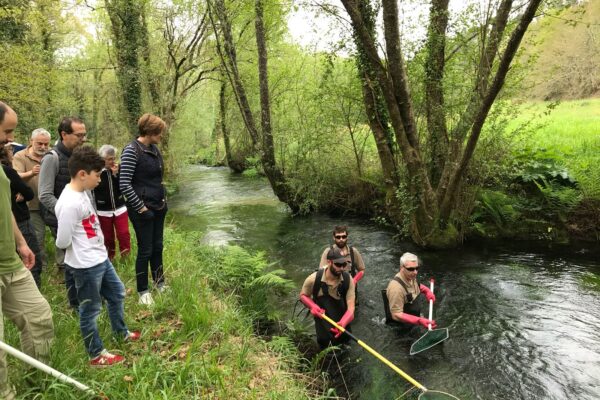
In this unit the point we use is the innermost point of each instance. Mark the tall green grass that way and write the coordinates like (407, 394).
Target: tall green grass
(570, 129)
(197, 341)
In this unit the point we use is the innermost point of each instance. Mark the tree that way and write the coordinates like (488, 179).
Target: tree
(433, 186)
(262, 140)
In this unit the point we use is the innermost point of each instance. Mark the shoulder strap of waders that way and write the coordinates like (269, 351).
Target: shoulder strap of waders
(317, 284)
(353, 267)
(409, 296)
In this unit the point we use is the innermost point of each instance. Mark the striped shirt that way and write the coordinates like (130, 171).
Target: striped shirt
(126, 172)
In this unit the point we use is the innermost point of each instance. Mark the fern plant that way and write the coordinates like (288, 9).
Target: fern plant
(251, 279)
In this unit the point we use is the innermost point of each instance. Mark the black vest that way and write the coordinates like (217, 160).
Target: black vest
(147, 179)
(107, 194)
(60, 181)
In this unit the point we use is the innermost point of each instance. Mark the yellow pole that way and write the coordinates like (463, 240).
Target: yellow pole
(376, 354)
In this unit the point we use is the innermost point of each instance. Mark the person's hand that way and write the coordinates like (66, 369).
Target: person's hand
(35, 170)
(427, 292)
(146, 213)
(26, 255)
(114, 169)
(335, 332)
(19, 198)
(312, 306)
(425, 322)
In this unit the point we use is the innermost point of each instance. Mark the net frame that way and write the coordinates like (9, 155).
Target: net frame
(415, 349)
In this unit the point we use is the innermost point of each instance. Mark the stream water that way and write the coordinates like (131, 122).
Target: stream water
(524, 320)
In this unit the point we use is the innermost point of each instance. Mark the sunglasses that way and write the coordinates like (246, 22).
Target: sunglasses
(340, 236)
(340, 265)
(412, 269)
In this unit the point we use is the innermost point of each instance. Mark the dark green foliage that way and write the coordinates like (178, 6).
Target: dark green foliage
(535, 165)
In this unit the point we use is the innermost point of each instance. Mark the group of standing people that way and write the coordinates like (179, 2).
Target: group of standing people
(332, 290)
(86, 200)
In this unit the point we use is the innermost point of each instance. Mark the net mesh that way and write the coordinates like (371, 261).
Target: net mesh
(428, 340)
(436, 395)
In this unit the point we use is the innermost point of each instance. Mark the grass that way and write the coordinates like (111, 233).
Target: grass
(196, 342)
(569, 129)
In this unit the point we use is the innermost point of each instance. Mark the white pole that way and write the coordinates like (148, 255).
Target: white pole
(431, 303)
(43, 367)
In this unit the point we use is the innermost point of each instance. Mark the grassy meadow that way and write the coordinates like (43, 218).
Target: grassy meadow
(197, 341)
(570, 132)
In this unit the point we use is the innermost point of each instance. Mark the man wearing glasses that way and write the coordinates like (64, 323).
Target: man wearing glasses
(54, 176)
(355, 264)
(330, 290)
(403, 293)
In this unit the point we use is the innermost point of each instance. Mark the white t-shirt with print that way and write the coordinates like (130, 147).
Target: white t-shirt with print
(79, 230)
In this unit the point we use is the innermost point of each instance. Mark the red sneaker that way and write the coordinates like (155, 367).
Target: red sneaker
(106, 359)
(132, 336)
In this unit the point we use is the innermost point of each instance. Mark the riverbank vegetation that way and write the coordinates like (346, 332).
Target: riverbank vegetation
(198, 341)
(436, 139)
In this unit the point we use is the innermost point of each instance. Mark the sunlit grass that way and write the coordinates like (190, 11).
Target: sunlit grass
(196, 342)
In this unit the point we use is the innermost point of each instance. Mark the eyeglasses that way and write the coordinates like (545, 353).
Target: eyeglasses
(80, 135)
(340, 265)
(340, 236)
(412, 269)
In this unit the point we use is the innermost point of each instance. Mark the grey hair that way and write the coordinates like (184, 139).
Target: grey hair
(406, 257)
(40, 132)
(107, 150)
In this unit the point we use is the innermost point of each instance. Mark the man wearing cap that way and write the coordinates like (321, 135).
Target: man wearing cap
(403, 295)
(27, 164)
(330, 290)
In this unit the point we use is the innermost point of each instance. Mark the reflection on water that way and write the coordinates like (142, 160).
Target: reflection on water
(522, 323)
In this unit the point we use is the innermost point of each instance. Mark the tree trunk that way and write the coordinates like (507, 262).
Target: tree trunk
(126, 26)
(432, 219)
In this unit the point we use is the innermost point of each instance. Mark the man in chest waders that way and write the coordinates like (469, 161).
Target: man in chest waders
(330, 290)
(354, 261)
(402, 297)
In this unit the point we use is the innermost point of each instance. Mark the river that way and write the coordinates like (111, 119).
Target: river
(524, 320)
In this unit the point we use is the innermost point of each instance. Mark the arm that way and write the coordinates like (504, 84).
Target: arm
(127, 170)
(18, 185)
(67, 218)
(19, 166)
(323, 261)
(22, 248)
(48, 172)
(360, 264)
(305, 296)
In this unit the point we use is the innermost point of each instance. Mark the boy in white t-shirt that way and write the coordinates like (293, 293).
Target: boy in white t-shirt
(80, 235)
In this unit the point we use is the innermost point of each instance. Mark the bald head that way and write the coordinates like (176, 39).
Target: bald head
(8, 121)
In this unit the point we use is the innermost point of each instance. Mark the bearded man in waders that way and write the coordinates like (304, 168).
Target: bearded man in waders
(330, 290)
(354, 261)
(402, 297)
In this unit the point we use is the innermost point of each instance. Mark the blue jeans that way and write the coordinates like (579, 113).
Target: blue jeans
(149, 233)
(93, 284)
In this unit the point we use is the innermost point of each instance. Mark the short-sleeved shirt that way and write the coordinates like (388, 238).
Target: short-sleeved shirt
(24, 162)
(307, 287)
(396, 294)
(9, 259)
(358, 260)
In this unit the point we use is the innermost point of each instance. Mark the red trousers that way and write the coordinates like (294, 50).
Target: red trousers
(119, 224)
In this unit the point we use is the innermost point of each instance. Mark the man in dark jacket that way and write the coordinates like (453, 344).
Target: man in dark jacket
(54, 176)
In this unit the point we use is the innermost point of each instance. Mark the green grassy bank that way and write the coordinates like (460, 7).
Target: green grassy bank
(198, 341)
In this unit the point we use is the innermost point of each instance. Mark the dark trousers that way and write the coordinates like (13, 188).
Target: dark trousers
(27, 229)
(69, 280)
(149, 234)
